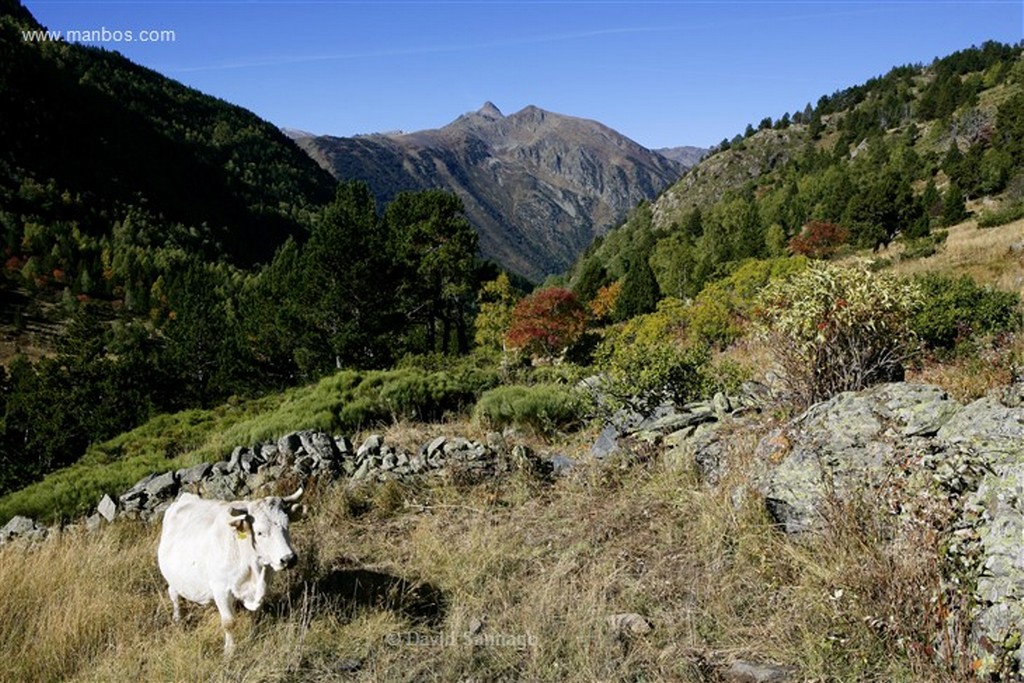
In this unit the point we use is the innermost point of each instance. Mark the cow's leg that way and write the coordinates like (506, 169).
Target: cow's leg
(175, 602)
(226, 606)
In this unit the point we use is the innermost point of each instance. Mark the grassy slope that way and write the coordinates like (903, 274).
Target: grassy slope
(542, 566)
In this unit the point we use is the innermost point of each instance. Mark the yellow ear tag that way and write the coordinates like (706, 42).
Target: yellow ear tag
(242, 534)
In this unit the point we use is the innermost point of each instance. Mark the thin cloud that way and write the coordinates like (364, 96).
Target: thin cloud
(425, 50)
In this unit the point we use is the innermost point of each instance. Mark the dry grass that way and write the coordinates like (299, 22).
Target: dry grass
(398, 576)
(981, 367)
(984, 254)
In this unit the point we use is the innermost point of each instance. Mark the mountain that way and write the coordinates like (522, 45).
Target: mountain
(537, 186)
(687, 156)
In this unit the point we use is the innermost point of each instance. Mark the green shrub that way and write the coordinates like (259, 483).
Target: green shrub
(645, 363)
(955, 309)
(719, 314)
(923, 247)
(544, 408)
(835, 329)
(1007, 214)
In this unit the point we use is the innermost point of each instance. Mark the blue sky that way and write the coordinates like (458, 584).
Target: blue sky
(664, 73)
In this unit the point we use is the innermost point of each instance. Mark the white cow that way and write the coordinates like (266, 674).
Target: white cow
(224, 551)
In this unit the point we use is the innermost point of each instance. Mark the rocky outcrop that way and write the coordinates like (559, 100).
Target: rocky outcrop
(537, 186)
(916, 440)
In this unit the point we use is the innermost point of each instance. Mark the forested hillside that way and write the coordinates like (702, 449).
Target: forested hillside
(164, 249)
(894, 158)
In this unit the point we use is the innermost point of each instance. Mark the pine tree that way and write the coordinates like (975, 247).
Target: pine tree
(640, 293)
(953, 209)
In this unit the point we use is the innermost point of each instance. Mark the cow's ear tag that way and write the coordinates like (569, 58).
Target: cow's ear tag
(242, 534)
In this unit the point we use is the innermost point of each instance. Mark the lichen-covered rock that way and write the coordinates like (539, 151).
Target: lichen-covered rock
(844, 447)
(1000, 586)
(988, 426)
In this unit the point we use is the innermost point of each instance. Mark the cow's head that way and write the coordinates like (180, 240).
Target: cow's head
(266, 520)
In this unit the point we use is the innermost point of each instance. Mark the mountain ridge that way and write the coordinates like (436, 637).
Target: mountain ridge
(539, 186)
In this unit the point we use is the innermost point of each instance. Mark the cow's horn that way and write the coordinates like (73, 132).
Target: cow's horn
(237, 516)
(294, 498)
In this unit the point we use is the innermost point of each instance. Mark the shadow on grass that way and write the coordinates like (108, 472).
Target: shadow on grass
(352, 589)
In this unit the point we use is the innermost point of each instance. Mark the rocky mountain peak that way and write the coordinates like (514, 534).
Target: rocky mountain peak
(490, 111)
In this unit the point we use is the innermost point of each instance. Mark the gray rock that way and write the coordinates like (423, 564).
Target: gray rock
(742, 671)
(268, 452)
(194, 474)
(920, 409)
(138, 490)
(343, 445)
(107, 508)
(607, 443)
(157, 513)
(389, 462)
(304, 465)
(675, 421)
(162, 486)
(223, 486)
(435, 446)
(754, 395)
(456, 445)
(721, 404)
(93, 522)
(1000, 584)
(219, 469)
(371, 446)
(986, 425)
(701, 446)
(319, 445)
(840, 446)
(289, 444)
(18, 526)
(561, 465)
(496, 442)
(235, 461)
(250, 461)
(362, 471)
